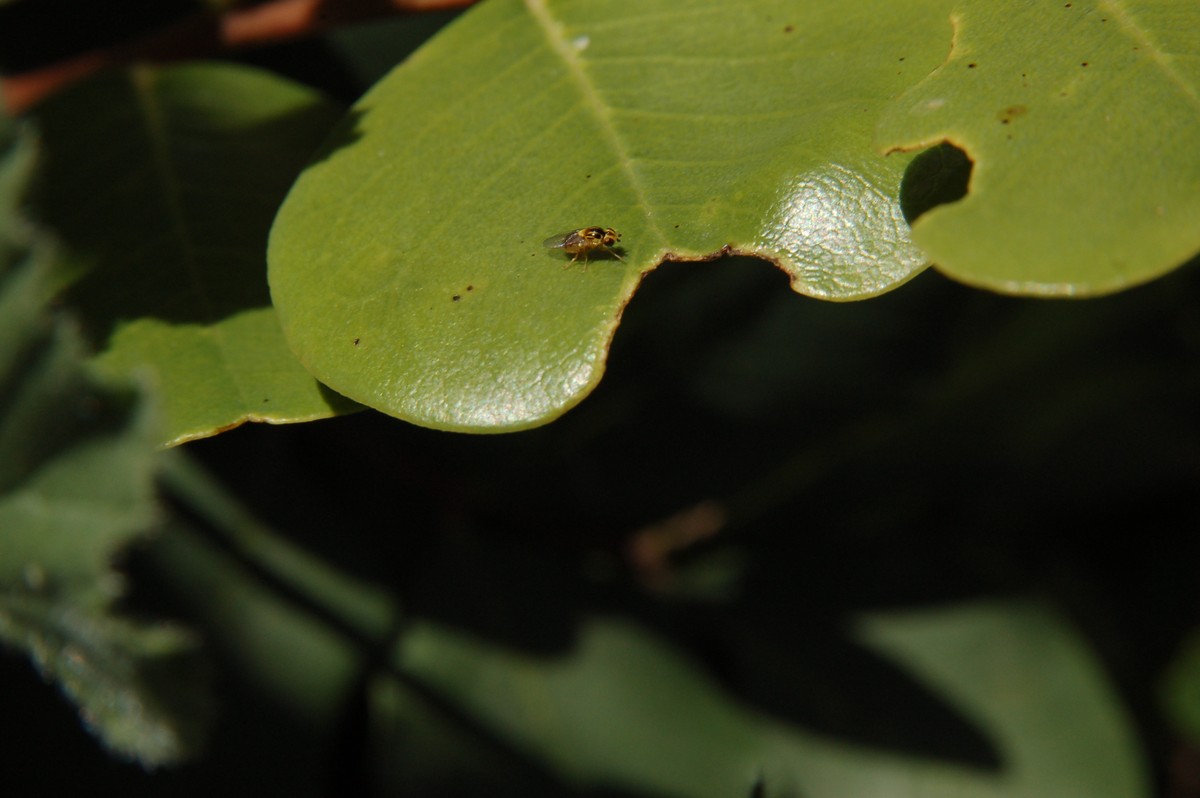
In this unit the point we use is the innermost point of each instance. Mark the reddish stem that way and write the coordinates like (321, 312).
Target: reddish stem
(204, 36)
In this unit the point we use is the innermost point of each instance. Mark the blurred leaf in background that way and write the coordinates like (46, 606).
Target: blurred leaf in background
(76, 489)
(161, 183)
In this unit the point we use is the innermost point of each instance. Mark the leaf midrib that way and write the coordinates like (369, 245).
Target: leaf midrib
(144, 83)
(1160, 56)
(592, 100)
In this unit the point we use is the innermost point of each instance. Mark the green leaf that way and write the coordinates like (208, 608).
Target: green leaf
(76, 486)
(162, 184)
(626, 711)
(1082, 120)
(407, 263)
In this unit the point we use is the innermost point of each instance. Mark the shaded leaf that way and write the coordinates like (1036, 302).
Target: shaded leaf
(76, 486)
(407, 264)
(162, 184)
(625, 711)
(1081, 119)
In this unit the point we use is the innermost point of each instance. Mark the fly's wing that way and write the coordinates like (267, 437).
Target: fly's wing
(563, 240)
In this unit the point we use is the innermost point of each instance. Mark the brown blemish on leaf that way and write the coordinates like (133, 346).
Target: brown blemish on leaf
(671, 257)
(1010, 113)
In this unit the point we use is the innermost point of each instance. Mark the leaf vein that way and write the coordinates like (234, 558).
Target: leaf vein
(1139, 34)
(594, 103)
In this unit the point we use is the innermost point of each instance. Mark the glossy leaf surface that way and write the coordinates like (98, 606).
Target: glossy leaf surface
(407, 264)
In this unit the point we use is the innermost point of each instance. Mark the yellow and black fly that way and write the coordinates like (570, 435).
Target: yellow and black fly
(585, 241)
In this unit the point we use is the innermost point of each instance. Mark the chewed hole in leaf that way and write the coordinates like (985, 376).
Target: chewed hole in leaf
(938, 176)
